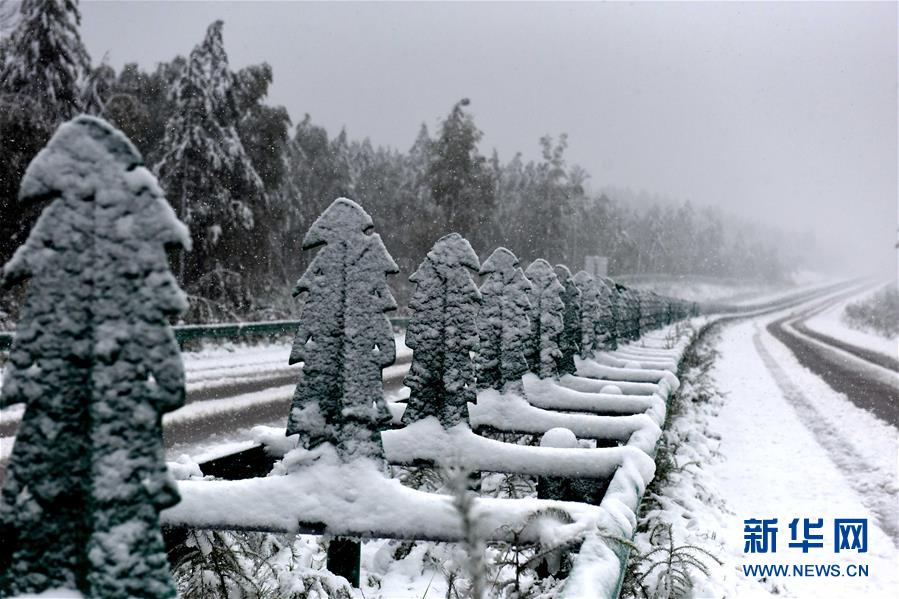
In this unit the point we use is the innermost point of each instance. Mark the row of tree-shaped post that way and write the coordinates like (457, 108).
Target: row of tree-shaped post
(463, 337)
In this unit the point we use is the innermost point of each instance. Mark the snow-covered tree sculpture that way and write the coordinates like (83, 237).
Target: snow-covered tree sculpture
(607, 331)
(443, 331)
(591, 310)
(344, 338)
(96, 365)
(546, 314)
(503, 324)
(632, 310)
(570, 338)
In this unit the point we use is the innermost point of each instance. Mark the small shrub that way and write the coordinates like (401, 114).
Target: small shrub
(879, 313)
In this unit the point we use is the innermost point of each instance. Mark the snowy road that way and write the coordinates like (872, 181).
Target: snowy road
(868, 378)
(779, 442)
(229, 390)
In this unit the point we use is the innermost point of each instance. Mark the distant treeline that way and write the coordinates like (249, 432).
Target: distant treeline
(249, 181)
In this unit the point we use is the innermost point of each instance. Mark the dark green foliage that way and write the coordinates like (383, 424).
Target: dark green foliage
(41, 62)
(96, 364)
(443, 331)
(460, 182)
(344, 339)
(204, 165)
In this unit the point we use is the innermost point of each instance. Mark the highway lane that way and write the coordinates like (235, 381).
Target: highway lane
(869, 381)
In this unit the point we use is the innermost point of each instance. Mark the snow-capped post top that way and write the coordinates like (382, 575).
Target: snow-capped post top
(500, 261)
(344, 217)
(96, 364)
(443, 333)
(452, 251)
(344, 338)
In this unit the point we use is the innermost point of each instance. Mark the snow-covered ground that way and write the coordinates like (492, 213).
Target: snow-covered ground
(778, 442)
(830, 322)
(708, 289)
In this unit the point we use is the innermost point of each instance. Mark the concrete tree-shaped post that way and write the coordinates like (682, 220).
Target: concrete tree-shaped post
(607, 331)
(591, 311)
(503, 324)
(344, 341)
(443, 332)
(547, 308)
(96, 364)
(570, 338)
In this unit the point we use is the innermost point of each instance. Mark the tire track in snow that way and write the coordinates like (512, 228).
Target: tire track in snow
(872, 484)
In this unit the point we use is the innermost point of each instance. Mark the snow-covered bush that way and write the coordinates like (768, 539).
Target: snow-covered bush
(344, 339)
(546, 315)
(503, 324)
(96, 364)
(878, 313)
(257, 565)
(443, 332)
(570, 338)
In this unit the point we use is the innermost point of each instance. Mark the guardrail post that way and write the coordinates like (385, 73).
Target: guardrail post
(344, 558)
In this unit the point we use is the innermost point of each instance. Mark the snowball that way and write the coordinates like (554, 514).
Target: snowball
(558, 437)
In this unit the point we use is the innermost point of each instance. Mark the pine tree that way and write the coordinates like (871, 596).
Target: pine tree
(42, 62)
(460, 181)
(204, 165)
(96, 364)
(570, 338)
(591, 313)
(503, 324)
(45, 59)
(546, 314)
(344, 339)
(443, 332)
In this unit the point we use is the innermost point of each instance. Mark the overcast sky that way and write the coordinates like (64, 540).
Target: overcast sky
(785, 112)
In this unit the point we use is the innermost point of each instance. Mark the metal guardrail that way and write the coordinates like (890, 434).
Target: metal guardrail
(230, 330)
